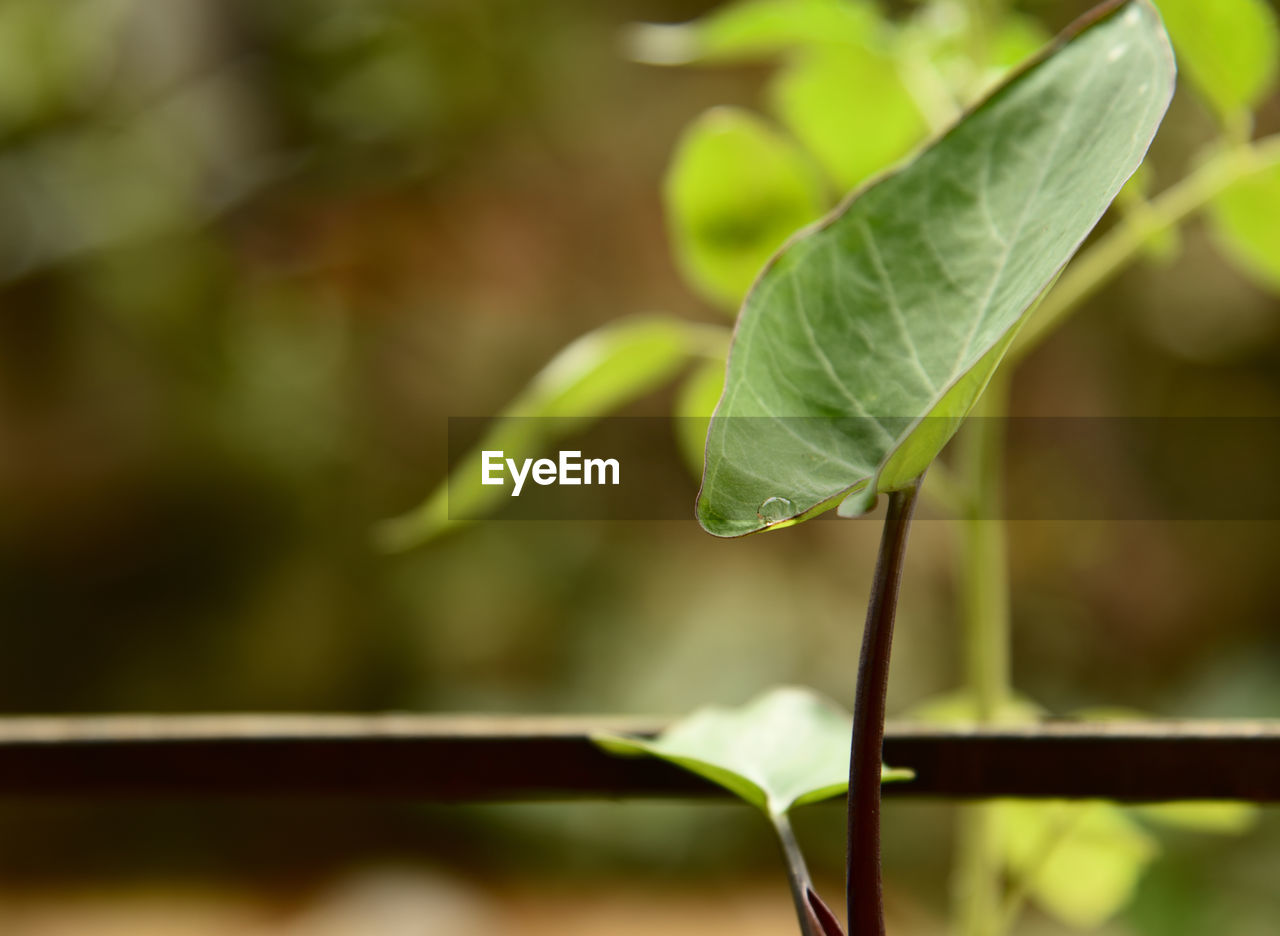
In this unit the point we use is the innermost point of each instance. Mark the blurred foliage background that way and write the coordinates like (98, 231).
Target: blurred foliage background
(254, 255)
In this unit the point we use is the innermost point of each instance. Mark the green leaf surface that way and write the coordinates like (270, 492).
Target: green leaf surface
(1229, 49)
(735, 191)
(1081, 862)
(785, 748)
(1244, 225)
(870, 336)
(850, 108)
(752, 29)
(592, 376)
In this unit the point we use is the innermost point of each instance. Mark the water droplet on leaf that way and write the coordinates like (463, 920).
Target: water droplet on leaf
(776, 509)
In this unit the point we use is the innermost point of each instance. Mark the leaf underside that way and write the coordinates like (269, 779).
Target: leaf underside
(785, 748)
(868, 337)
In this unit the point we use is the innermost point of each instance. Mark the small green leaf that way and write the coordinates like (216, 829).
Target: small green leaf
(868, 339)
(1243, 221)
(1229, 49)
(1080, 862)
(850, 108)
(695, 402)
(785, 748)
(595, 374)
(752, 29)
(735, 191)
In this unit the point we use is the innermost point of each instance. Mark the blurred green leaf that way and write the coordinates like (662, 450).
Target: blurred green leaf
(936, 52)
(752, 29)
(864, 344)
(785, 748)
(52, 63)
(592, 376)
(735, 191)
(695, 402)
(850, 108)
(1216, 818)
(1016, 39)
(67, 194)
(1219, 817)
(1243, 221)
(1079, 861)
(1229, 49)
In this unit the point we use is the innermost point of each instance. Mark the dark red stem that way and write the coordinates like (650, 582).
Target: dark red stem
(862, 884)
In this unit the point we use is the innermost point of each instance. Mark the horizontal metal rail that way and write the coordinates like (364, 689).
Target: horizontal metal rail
(478, 758)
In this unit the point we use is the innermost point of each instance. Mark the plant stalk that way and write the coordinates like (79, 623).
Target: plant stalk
(798, 877)
(985, 625)
(984, 578)
(863, 891)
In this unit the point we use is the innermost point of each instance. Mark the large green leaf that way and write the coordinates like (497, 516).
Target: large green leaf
(753, 29)
(785, 748)
(870, 336)
(736, 189)
(598, 372)
(1230, 49)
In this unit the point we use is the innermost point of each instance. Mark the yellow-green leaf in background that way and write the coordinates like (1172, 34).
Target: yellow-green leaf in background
(1244, 224)
(1079, 862)
(1229, 49)
(751, 29)
(850, 108)
(936, 50)
(595, 374)
(735, 191)
(695, 402)
(1213, 817)
(1216, 817)
(1016, 39)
